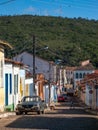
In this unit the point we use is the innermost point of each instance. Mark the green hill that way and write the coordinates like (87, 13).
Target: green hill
(72, 40)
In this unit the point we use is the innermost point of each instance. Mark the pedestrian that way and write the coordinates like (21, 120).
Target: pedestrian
(71, 104)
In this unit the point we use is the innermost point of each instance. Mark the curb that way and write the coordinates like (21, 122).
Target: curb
(92, 112)
(2, 115)
(6, 114)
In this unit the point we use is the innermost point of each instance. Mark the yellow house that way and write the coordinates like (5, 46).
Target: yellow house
(2, 47)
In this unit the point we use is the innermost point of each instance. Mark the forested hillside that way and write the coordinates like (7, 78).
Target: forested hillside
(72, 40)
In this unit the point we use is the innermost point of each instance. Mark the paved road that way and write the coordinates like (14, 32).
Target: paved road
(62, 118)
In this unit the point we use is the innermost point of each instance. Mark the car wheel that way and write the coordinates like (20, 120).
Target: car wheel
(19, 113)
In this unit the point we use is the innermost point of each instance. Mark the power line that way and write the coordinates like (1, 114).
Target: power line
(69, 4)
(6, 2)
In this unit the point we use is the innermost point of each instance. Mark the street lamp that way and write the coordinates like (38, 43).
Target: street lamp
(34, 53)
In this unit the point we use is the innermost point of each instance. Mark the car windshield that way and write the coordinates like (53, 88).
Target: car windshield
(29, 99)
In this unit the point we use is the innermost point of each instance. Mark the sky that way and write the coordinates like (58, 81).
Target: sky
(65, 8)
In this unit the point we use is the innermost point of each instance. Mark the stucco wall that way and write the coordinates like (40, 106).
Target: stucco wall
(1, 99)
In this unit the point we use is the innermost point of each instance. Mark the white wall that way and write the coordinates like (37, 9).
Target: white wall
(82, 72)
(41, 65)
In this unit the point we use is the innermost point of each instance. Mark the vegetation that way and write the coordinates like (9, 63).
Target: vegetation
(71, 40)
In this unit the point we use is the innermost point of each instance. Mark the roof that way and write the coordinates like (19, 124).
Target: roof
(13, 62)
(70, 68)
(86, 67)
(91, 76)
(90, 79)
(32, 56)
(96, 71)
(5, 44)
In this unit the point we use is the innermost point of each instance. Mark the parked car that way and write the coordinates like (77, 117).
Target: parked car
(65, 96)
(30, 104)
(60, 98)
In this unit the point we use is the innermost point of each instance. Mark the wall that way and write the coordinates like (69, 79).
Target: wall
(1, 99)
(1, 78)
(80, 72)
(41, 65)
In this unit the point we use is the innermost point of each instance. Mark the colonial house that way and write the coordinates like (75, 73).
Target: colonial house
(79, 73)
(14, 83)
(3, 45)
(69, 74)
(41, 66)
(89, 90)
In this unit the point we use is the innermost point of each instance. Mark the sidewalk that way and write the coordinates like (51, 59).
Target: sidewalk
(6, 114)
(87, 108)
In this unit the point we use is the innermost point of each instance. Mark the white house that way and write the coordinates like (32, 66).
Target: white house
(3, 45)
(13, 89)
(89, 90)
(80, 72)
(41, 65)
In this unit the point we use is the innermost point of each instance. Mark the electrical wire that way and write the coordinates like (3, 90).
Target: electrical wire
(6, 2)
(69, 4)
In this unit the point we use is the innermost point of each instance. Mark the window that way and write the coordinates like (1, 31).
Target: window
(83, 75)
(10, 83)
(15, 84)
(80, 75)
(77, 76)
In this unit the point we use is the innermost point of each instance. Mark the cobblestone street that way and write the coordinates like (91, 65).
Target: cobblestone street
(62, 118)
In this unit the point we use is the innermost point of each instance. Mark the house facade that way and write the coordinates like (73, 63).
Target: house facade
(14, 83)
(79, 73)
(3, 45)
(89, 90)
(41, 66)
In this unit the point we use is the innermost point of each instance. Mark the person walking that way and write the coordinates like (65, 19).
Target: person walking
(71, 104)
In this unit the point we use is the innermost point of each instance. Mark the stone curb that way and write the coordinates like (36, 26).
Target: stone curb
(6, 114)
(92, 112)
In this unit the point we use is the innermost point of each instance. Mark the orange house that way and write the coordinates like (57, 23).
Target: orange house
(40, 83)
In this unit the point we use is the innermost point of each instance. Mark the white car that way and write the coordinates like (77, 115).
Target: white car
(30, 104)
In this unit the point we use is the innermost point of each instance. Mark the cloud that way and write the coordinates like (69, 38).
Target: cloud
(46, 12)
(58, 11)
(30, 10)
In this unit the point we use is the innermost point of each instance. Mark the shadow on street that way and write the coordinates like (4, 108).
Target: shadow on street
(55, 123)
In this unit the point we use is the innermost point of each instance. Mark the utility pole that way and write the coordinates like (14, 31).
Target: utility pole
(49, 83)
(34, 64)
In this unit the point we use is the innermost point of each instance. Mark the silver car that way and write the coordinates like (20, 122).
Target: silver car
(30, 104)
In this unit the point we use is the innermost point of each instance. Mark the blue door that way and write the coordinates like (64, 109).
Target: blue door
(6, 89)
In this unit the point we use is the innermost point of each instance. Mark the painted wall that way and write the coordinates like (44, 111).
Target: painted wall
(41, 65)
(1, 78)
(29, 87)
(12, 85)
(8, 83)
(22, 83)
(16, 84)
(1, 99)
(82, 73)
(1, 66)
